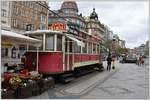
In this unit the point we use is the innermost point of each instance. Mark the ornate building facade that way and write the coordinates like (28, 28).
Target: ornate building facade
(68, 13)
(94, 26)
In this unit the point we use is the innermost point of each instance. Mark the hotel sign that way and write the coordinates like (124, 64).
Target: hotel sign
(58, 26)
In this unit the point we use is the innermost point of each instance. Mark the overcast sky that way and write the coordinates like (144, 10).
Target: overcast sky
(128, 19)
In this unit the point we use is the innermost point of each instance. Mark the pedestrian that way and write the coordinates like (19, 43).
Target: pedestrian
(137, 60)
(140, 60)
(113, 60)
(109, 60)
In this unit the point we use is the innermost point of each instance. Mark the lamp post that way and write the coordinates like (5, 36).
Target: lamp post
(113, 46)
(114, 52)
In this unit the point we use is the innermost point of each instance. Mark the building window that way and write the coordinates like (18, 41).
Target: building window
(14, 22)
(3, 13)
(42, 26)
(13, 52)
(93, 25)
(3, 22)
(49, 42)
(4, 3)
(43, 18)
(4, 52)
(59, 43)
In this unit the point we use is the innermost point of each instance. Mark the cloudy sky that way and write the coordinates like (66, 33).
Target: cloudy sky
(128, 19)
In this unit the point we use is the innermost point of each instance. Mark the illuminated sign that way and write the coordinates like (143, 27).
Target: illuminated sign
(58, 26)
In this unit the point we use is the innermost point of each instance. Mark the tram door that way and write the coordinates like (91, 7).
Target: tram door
(68, 55)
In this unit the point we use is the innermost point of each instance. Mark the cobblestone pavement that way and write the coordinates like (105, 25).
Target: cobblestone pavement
(126, 81)
(130, 82)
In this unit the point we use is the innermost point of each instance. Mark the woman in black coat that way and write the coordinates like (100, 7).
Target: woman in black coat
(109, 60)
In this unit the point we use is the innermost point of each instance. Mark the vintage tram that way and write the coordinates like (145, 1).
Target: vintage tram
(63, 54)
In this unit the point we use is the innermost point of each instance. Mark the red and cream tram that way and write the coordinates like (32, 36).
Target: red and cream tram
(62, 53)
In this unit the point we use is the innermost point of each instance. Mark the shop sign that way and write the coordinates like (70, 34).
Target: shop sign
(58, 26)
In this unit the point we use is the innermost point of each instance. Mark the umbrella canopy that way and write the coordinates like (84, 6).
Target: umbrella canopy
(9, 38)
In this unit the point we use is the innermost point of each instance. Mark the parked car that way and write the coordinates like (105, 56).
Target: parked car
(144, 56)
(130, 59)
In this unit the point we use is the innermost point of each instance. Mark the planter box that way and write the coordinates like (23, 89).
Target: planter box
(40, 84)
(8, 94)
(48, 83)
(35, 87)
(25, 91)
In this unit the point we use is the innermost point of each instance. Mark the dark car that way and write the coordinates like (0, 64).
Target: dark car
(130, 59)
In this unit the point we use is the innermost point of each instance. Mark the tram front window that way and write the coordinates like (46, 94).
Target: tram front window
(50, 42)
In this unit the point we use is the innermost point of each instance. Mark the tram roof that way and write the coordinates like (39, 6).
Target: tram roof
(42, 31)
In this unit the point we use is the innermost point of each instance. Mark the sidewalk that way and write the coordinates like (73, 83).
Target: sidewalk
(130, 82)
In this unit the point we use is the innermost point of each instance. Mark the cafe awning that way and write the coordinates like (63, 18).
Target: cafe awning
(9, 38)
(80, 43)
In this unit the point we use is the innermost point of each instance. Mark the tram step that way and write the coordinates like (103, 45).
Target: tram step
(67, 75)
(69, 79)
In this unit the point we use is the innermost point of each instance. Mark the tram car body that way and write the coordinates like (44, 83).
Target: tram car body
(62, 52)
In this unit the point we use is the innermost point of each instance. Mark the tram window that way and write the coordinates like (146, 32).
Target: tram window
(77, 48)
(94, 48)
(49, 42)
(59, 43)
(70, 46)
(39, 37)
(98, 49)
(85, 48)
(90, 48)
(66, 45)
(32, 48)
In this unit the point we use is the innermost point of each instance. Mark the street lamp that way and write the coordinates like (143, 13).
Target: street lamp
(113, 46)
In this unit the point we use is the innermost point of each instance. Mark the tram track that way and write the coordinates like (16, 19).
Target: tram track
(79, 87)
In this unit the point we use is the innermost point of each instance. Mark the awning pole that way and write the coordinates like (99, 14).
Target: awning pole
(37, 59)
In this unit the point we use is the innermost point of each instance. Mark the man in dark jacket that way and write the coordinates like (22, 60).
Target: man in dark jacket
(109, 60)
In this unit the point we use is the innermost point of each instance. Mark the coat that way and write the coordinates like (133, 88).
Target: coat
(109, 60)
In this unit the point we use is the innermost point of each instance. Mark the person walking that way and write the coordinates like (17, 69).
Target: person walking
(137, 60)
(109, 60)
(113, 61)
(140, 60)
